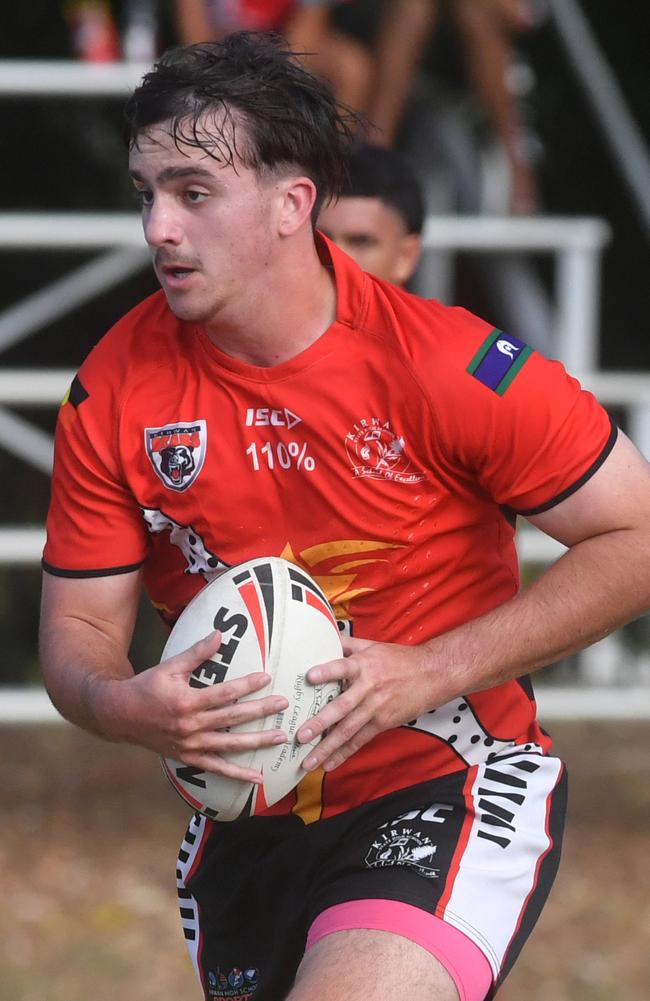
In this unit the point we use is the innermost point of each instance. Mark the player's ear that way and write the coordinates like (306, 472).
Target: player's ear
(408, 257)
(298, 197)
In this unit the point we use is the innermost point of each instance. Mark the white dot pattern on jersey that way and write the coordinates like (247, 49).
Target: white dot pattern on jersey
(197, 555)
(457, 725)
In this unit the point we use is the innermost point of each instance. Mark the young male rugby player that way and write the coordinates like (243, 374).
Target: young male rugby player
(417, 852)
(379, 215)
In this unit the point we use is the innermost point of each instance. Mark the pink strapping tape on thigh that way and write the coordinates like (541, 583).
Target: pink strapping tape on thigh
(462, 959)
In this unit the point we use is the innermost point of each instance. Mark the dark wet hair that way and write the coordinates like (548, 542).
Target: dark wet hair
(290, 117)
(375, 172)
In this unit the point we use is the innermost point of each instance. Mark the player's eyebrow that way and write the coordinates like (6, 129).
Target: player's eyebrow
(173, 173)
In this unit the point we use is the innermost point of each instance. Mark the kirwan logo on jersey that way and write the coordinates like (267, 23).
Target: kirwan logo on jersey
(376, 451)
(177, 452)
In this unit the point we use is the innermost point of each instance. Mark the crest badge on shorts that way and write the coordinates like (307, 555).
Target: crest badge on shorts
(177, 452)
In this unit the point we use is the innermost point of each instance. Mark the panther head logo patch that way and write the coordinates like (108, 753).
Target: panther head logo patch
(176, 463)
(177, 452)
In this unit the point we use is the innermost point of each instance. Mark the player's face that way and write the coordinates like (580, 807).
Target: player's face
(374, 234)
(208, 224)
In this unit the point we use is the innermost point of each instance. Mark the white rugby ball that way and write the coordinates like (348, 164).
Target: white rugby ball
(274, 618)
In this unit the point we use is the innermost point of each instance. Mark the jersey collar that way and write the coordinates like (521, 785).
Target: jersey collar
(351, 282)
(351, 305)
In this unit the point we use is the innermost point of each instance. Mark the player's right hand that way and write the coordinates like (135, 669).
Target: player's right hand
(160, 710)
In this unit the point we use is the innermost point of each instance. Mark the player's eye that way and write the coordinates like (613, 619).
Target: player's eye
(195, 197)
(363, 240)
(143, 196)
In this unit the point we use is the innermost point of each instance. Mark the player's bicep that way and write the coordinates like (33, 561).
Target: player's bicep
(616, 497)
(106, 605)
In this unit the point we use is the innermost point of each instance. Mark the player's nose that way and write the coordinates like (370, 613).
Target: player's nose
(161, 226)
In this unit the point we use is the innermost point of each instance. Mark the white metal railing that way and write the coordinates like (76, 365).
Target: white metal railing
(86, 282)
(32, 705)
(69, 230)
(64, 230)
(577, 245)
(46, 387)
(48, 78)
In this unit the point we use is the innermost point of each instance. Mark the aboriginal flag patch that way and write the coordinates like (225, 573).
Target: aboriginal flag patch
(498, 361)
(71, 401)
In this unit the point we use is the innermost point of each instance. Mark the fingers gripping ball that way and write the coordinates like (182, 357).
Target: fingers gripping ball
(273, 618)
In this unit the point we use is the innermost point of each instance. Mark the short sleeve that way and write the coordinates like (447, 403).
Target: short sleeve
(94, 524)
(525, 428)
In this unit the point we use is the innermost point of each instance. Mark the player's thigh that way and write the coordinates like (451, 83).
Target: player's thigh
(373, 965)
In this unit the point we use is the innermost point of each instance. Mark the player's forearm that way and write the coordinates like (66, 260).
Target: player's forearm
(79, 664)
(596, 587)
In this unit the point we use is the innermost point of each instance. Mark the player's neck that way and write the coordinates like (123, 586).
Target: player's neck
(291, 307)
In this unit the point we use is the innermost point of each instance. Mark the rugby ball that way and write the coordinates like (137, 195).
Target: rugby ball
(274, 618)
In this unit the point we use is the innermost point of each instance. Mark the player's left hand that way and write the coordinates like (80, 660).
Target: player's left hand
(384, 685)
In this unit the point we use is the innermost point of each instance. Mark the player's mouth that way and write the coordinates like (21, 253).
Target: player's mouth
(177, 275)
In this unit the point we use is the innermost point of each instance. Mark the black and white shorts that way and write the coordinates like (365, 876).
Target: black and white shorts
(472, 854)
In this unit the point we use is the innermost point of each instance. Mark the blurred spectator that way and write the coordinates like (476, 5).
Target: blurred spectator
(486, 29)
(378, 218)
(306, 24)
(443, 95)
(93, 31)
(372, 51)
(142, 30)
(463, 47)
(110, 30)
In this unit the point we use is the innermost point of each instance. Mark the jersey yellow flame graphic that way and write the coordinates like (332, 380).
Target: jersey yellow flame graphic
(337, 578)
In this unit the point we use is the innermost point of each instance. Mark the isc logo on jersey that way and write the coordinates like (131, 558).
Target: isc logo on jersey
(177, 452)
(260, 417)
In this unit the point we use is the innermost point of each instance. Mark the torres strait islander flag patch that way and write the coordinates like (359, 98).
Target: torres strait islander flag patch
(498, 360)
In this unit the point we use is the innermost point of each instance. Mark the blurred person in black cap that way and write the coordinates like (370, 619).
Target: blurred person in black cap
(379, 216)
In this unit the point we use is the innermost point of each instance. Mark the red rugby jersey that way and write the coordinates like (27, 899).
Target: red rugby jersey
(387, 459)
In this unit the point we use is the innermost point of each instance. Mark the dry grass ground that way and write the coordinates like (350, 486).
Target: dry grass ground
(90, 832)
